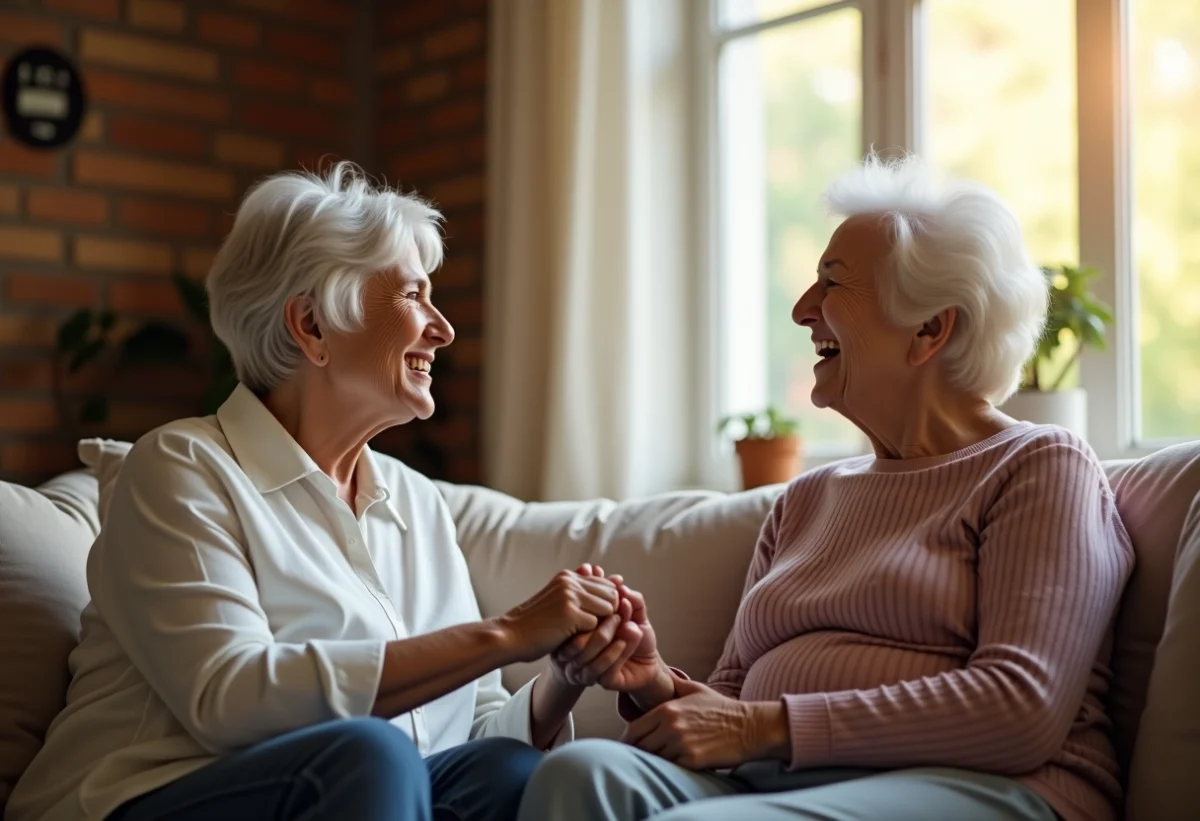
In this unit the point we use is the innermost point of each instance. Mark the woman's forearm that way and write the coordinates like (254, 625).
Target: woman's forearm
(423, 668)
(551, 703)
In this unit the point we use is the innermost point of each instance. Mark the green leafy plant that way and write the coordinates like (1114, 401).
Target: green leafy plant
(1074, 313)
(765, 424)
(89, 336)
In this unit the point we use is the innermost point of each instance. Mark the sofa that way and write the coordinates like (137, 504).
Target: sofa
(688, 552)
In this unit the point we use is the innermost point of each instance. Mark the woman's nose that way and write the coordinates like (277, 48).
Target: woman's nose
(807, 310)
(440, 331)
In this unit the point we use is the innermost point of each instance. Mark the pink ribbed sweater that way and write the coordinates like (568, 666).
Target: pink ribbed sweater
(953, 611)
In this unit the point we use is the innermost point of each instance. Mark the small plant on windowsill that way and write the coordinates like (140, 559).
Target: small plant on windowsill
(1075, 317)
(767, 445)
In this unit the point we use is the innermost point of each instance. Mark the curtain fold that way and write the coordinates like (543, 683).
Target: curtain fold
(588, 365)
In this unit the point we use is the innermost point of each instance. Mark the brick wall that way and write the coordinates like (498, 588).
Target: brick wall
(190, 101)
(429, 129)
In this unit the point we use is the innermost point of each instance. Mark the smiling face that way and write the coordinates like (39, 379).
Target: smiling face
(388, 364)
(863, 357)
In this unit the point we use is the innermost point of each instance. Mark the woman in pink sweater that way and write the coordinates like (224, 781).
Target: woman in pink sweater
(924, 632)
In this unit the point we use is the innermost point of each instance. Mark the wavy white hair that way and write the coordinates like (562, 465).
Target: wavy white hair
(954, 244)
(302, 233)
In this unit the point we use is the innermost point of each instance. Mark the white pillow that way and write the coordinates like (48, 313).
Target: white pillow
(104, 457)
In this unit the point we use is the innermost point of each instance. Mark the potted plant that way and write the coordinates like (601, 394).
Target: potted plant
(1075, 315)
(767, 446)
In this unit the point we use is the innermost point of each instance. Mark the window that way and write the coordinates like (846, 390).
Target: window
(1164, 85)
(1081, 113)
(789, 108)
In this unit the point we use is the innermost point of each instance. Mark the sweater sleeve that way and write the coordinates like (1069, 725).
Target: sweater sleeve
(729, 674)
(1053, 559)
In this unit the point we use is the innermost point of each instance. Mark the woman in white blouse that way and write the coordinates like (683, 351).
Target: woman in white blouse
(282, 625)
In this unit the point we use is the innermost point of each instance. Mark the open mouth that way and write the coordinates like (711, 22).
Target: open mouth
(826, 349)
(416, 363)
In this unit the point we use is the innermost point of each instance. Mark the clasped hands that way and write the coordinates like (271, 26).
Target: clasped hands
(612, 643)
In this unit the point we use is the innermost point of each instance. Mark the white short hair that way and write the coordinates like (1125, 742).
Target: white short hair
(954, 244)
(303, 233)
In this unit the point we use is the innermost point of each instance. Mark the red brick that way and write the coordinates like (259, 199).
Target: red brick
(228, 29)
(331, 91)
(165, 15)
(18, 160)
(141, 134)
(96, 9)
(321, 13)
(310, 49)
(198, 261)
(467, 229)
(290, 120)
(467, 352)
(158, 176)
(456, 116)
(27, 374)
(392, 95)
(23, 31)
(28, 415)
(266, 75)
(459, 39)
(467, 312)
(397, 133)
(160, 217)
(128, 92)
(38, 458)
(427, 87)
(471, 74)
(123, 255)
(65, 205)
(10, 200)
(225, 219)
(144, 296)
(36, 244)
(48, 289)
(149, 54)
(394, 60)
(413, 17)
(419, 164)
(20, 331)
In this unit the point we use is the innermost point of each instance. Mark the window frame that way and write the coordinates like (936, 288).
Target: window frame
(892, 118)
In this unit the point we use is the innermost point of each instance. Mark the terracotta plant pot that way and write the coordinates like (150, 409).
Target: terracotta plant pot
(768, 461)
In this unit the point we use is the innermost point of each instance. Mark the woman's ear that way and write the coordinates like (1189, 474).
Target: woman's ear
(300, 316)
(932, 337)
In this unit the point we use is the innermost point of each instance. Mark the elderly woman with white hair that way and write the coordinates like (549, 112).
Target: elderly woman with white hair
(282, 625)
(923, 631)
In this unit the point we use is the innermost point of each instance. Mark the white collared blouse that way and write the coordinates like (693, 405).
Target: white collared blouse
(235, 597)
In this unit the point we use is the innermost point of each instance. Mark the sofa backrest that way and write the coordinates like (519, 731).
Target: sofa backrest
(688, 553)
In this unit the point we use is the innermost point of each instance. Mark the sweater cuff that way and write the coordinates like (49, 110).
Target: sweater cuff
(811, 730)
(628, 709)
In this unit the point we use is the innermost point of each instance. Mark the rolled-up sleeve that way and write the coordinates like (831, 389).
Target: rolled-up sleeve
(171, 579)
(499, 714)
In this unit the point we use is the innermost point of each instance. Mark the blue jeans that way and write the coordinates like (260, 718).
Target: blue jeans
(362, 769)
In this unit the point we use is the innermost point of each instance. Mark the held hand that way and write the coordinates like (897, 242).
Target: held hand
(568, 605)
(642, 669)
(703, 729)
(582, 661)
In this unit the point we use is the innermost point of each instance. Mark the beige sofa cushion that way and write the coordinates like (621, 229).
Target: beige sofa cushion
(45, 535)
(687, 552)
(1166, 757)
(1153, 495)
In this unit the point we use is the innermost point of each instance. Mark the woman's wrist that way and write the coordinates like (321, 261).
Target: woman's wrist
(659, 691)
(769, 736)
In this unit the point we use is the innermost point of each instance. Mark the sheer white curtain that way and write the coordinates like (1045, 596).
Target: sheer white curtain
(588, 382)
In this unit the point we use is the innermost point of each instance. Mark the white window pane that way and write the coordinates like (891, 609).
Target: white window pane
(1165, 133)
(738, 13)
(790, 121)
(999, 107)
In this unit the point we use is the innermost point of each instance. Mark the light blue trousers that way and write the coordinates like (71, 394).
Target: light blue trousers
(597, 780)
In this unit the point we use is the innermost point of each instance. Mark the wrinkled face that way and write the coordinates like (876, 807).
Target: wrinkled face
(389, 363)
(862, 356)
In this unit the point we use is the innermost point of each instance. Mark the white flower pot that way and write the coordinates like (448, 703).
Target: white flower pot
(1067, 409)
